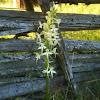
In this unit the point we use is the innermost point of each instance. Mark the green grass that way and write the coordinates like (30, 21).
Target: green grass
(80, 8)
(91, 35)
(89, 94)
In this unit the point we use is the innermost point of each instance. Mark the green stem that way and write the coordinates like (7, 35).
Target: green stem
(47, 90)
(47, 78)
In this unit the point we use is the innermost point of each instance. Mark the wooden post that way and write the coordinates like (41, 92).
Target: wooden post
(16, 4)
(65, 64)
(21, 4)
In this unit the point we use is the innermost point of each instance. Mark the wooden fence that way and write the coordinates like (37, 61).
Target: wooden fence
(19, 73)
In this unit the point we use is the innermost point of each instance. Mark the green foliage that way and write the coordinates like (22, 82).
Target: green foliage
(59, 96)
(3, 1)
(81, 8)
(93, 35)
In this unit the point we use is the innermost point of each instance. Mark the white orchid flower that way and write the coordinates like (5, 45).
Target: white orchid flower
(55, 51)
(57, 37)
(47, 71)
(45, 27)
(46, 16)
(41, 25)
(52, 71)
(37, 56)
(58, 21)
(48, 12)
(48, 35)
(50, 38)
(38, 37)
(51, 43)
(47, 53)
(56, 41)
(52, 26)
(42, 46)
(54, 29)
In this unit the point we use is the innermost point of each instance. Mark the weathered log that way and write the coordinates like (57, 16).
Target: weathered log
(18, 45)
(14, 22)
(86, 76)
(14, 80)
(84, 58)
(83, 69)
(86, 67)
(29, 45)
(80, 45)
(24, 65)
(23, 88)
(86, 70)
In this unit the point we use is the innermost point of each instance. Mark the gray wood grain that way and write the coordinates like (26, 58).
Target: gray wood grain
(62, 56)
(23, 88)
(19, 65)
(86, 67)
(65, 64)
(86, 76)
(88, 62)
(14, 80)
(29, 45)
(80, 45)
(76, 58)
(18, 45)
(14, 22)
